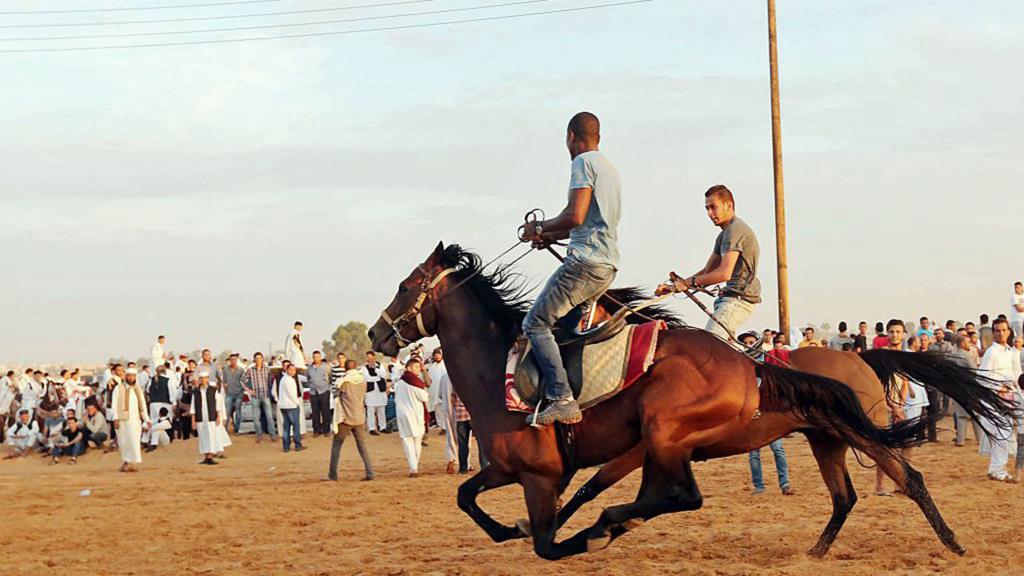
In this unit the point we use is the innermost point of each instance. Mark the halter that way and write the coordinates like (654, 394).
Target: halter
(426, 287)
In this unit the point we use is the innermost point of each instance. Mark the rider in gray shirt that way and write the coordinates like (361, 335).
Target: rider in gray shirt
(733, 261)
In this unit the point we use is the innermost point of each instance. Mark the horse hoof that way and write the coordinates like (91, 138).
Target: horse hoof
(599, 543)
(632, 523)
(817, 552)
(958, 550)
(524, 527)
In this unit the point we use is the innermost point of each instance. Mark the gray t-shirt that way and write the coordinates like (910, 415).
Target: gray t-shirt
(232, 379)
(737, 236)
(595, 241)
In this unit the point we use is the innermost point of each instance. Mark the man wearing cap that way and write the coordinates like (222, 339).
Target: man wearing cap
(129, 406)
(376, 395)
(207, 418)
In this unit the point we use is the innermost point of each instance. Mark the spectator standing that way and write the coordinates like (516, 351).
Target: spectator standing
(896, 402)
(288, 400)
(157, 357)
(318, 380)
(842, 338)
(808, 341)
(925, 327)
(860, 340)
(1017, 309)
(1002, 364)
(881, 340)
(411, 399)
(376, 380)
(464, 432)
(256, 383)
(129, 405)
(984, 333)
(233, 392)
(350, 418)
(207, 418)
(779, 354)
(162, 395)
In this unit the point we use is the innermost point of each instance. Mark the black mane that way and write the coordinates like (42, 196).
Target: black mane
(503, 292)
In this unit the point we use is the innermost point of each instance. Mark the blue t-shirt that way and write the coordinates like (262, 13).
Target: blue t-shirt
(595, 241)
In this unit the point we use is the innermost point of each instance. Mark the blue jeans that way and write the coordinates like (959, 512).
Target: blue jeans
(290, 423)
(732, 312)
(780, 466)
(573, 284)
(233, 404)
(262, 406)
(75, 450)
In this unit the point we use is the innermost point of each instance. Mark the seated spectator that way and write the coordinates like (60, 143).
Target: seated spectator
(97, 430)
(71, 443)
(23, 436)
(779, 354)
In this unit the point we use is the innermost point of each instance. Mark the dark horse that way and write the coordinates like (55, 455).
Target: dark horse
(699, 400)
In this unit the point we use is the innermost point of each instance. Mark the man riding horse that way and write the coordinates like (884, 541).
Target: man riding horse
(590, 222)
(733, 261)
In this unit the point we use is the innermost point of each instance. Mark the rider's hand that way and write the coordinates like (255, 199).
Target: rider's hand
(540, 243)
(680, 284)
(530, 232)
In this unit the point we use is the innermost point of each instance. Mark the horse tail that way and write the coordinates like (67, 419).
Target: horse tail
(972, 390)
(831, 406)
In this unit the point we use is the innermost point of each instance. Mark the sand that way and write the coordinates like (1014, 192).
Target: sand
(264, 512)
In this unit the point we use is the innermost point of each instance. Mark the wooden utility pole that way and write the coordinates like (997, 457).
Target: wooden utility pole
(780, 196)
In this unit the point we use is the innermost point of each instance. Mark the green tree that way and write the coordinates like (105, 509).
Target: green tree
(349, 339)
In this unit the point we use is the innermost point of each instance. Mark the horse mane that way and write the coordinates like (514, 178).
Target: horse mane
(502, 292)
(634, 295)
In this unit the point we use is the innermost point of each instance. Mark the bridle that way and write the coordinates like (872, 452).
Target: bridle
(416, 312)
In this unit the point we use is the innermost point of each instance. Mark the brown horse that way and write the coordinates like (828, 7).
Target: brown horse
(699, 400)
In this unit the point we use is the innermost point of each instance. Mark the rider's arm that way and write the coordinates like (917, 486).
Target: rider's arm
(572, 216)
(721, 272)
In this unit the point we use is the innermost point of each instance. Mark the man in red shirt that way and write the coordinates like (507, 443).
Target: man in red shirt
(779, 354)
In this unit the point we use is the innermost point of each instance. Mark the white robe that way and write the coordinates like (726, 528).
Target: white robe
(129, 431)
(409, 403)
(209, 432)
(292, 352)
(223, 440)
(437, 403)
(375, 397)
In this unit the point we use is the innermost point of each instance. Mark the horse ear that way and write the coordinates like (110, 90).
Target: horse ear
(438, 252)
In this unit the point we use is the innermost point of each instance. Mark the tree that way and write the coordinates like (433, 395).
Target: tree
(349, 339)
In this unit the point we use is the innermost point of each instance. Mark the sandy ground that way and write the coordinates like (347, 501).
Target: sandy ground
(265, 512)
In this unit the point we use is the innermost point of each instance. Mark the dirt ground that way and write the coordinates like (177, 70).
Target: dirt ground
(264, 512)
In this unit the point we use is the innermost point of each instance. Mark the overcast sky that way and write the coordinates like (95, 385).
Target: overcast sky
(217, 193)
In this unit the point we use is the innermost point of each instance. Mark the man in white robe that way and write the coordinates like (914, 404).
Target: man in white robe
(157, 357)
(130, 416)
(451, 446)
(23, 435)
(207, 419)
(1002, 364)
(411, 398)
(376, 395)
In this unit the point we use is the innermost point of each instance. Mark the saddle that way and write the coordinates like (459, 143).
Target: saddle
(600, 363)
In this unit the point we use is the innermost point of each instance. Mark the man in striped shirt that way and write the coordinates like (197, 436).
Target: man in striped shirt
(256, 382)
(337, 373)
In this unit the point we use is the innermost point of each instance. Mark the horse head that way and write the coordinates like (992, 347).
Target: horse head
(410, 316)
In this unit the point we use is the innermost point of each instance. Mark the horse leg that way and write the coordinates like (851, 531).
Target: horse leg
(830, 452)
(541, 494)
(487, 479)
(610, 474)
(912, 484)
(661, 492)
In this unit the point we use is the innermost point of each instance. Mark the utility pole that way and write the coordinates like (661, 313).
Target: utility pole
(780, 195)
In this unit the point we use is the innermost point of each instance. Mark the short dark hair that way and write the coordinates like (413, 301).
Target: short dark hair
(1001, 321)
(984, 318)
(1018, 283)
(879, 327)
(413, 360)
(950, 323)
(922, 319)
(255, 354)
(160, 336)
(297, 323)
(586, 127)
(842, 326)
(720, 191)
(894, 322)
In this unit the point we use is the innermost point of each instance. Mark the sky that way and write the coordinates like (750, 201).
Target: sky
(216, 193)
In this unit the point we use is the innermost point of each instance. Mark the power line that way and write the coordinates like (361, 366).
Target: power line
(330, 33)
(135, 8)
(267, 26)
(220, 17)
